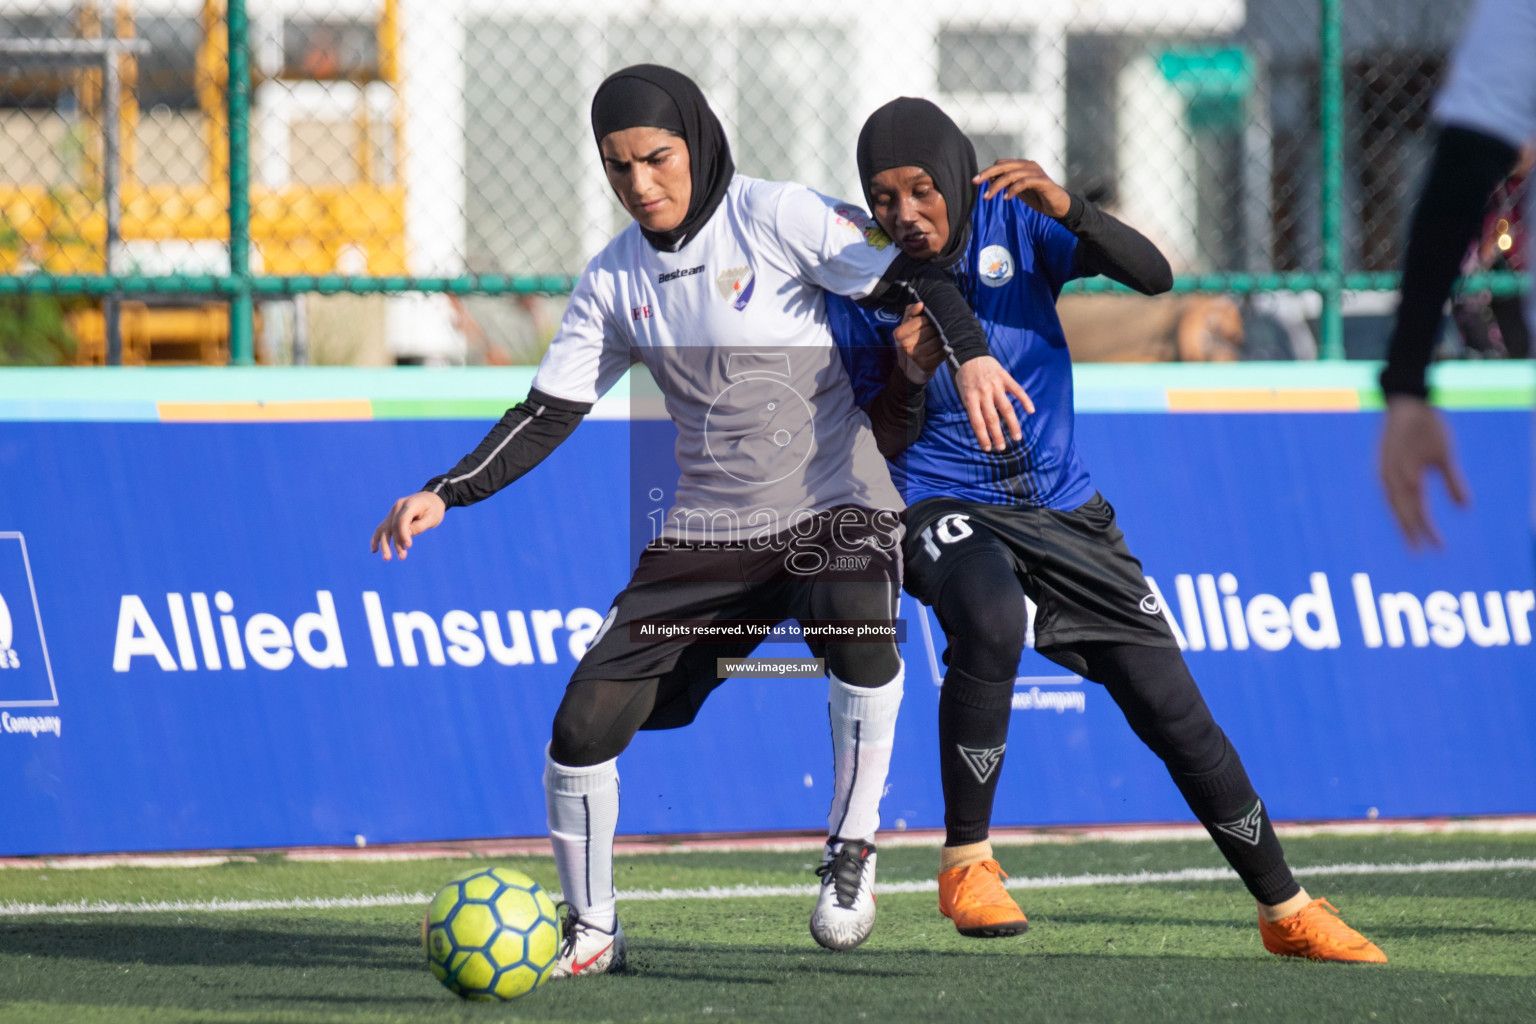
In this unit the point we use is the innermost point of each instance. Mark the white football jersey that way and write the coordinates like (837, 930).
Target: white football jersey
(733, 328)
(1492, 88)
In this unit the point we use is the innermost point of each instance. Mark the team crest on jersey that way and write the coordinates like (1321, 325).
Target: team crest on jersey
(886, 316)
(995, 266)
(736, 286)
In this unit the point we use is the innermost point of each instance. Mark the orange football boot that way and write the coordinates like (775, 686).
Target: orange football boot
(1319, 934)
(973, 897)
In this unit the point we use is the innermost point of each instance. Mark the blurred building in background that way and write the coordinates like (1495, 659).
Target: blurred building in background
(450, 138)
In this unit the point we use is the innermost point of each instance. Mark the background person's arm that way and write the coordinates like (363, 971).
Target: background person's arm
(1467, 165)
(1488, 105)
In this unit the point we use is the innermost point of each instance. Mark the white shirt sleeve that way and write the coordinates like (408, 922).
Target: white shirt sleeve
(588, 353)
(829, 243)
(1492, 84)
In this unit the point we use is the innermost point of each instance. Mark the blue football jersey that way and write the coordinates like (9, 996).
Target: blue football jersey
(1011, 273)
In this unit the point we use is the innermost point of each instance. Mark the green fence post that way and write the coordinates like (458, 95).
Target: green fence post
(242, 349)
(1331, 95)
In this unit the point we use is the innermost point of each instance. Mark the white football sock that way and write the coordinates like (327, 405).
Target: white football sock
(583, 806)
(863, 732)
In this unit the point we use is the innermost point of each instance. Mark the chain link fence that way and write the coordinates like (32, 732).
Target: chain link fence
(419, 175)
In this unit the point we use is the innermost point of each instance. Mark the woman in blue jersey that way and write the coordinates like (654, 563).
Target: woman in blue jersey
(986, 528)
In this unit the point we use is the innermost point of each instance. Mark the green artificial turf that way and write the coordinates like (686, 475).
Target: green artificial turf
(1462, 945)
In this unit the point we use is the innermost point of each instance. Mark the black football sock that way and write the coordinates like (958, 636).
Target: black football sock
(973, 733)
(1154, 689)
(1226, 804)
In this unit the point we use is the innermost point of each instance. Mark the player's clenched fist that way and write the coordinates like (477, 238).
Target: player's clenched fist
(408, 517)
(919, 347)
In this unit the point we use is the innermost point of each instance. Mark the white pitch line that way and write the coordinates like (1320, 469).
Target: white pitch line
(1069, 881)
(750, 891)
(214, 906)
(635, 845)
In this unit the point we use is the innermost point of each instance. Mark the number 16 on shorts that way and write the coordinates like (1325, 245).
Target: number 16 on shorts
(948, 529)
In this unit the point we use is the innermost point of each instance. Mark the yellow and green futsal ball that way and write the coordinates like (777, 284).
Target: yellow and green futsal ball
(491, 934)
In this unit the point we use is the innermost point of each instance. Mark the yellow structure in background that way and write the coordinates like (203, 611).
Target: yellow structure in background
(165, 334)
(344, 211)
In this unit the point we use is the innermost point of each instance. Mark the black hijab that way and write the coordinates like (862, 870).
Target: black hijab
(908, 132)
(649, 96)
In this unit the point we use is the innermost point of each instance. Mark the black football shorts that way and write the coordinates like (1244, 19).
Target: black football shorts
(844, 562)
(1075, 567)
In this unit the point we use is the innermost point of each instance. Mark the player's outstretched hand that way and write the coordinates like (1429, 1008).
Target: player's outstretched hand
(984, 388)
(1024, 179)
(1414, 440)
(919, 347)
(408, 517)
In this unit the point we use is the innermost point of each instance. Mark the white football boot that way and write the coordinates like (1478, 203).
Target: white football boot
(586, 949)
(845, 906)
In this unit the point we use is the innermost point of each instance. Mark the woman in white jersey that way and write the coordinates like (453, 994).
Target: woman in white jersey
(717, 287)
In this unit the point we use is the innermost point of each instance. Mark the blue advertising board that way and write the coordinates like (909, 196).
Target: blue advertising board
(198, 651)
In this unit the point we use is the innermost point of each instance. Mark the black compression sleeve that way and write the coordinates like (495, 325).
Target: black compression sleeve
(520, 440)
(896, 414)
(1467, 166)
(907, 281)
(1118, 251)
